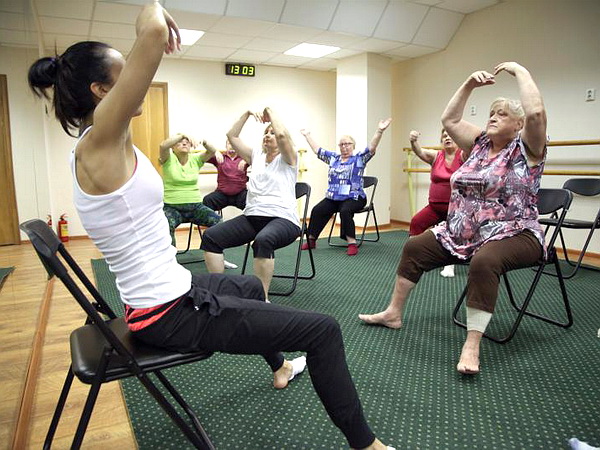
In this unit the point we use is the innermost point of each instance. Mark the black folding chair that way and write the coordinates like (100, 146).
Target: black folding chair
(549, 201)
(302, 190)
(104, 349)
(368, 182)
(589, 187)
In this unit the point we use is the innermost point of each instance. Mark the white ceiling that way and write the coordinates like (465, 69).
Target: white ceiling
(251, 31)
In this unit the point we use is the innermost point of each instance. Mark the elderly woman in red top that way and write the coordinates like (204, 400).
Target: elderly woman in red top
(231, 180)
(443, 165)
(492, 216)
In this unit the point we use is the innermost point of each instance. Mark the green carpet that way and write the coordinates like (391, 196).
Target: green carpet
(535, 392)
(4, 273)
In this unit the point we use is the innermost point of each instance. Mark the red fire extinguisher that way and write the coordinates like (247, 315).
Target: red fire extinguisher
(49, 220)
(63, 228)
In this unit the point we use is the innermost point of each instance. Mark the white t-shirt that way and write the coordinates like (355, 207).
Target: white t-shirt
(272, 188)
(131, 230)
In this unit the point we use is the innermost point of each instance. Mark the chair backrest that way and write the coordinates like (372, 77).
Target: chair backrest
(554, 201)
(367, 183)
(303, 189)
(583, 186)
(54, 255)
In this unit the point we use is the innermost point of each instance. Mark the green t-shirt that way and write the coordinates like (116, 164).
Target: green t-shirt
(181, 182)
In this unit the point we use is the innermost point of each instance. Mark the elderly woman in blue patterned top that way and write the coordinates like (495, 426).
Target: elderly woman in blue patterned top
(345, 194)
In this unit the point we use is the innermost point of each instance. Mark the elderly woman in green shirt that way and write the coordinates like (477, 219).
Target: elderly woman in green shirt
(180, 167)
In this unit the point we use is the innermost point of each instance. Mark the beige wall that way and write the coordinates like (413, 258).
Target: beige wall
(557, 40)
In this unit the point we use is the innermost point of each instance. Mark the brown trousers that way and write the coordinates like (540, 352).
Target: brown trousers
(423, 253)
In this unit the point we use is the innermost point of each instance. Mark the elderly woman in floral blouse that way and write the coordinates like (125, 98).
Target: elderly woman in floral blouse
(492, 216)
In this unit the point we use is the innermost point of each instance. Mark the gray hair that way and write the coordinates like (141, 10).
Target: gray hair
(514, 107)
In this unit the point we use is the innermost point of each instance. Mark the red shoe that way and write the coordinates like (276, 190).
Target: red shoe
(352, 249)
(311, 242)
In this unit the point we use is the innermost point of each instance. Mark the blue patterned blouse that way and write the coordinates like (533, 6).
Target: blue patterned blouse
(345, 178)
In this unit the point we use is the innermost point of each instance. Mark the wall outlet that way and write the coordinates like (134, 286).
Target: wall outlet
(473, 110)
(590, 95)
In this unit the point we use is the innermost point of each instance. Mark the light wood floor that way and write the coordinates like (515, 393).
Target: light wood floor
(20, 299)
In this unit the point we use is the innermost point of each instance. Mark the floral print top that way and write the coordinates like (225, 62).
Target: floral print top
(345, 178)
(492, 199)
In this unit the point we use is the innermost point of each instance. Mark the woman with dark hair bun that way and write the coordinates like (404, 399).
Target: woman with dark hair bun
(119, 198)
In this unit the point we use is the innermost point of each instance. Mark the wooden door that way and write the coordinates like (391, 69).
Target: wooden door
(152, 127)
(9, 218)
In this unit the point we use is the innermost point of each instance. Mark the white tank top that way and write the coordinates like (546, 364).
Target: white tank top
(272, 188)
(131, 230)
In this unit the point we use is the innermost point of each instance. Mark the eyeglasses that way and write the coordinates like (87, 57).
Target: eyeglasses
(345, 144)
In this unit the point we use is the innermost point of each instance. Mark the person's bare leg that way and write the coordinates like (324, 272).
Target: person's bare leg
(391, 317)
(468, 364)
(215, 262)
(377, 445)
(263, 269)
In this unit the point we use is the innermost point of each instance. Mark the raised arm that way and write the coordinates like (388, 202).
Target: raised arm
(462, 132)
(284, 140)
(242, 149)
(166, 145)
(156, 31)
(534, 129)
(313, 144)
(210, 151)
(381, 127)
(427, 156)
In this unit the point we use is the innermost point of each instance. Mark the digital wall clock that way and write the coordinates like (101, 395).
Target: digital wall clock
(240, 70)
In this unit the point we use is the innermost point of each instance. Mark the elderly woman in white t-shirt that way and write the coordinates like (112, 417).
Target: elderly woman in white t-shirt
(270, 218)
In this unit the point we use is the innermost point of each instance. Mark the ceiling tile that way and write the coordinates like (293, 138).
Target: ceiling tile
(344, 53)
(130, 2)
(428, 2)
(111, 12)
(10, 21)
(243, 27)
(212, 39)
(400, 21)
(14, 6)
(256, 9)
(250, 56)
(18, 38)
(200, 6)
(358, 17)
(270, 45)
(466, 6)
(336, 39)
(122, 45)
(317, 13)
(197, 51)
(320, 64)
(59, 40)
(194, 21)
(117, 30)
(374, 45)
(411, 51)
(58, 26)
(290, 33)
(438, 28)
(289, 60)
(69, 9)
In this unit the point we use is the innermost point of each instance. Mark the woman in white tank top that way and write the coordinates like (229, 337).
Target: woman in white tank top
(118, 196)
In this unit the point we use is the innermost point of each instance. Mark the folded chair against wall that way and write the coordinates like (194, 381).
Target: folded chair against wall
(368, 183)
(104, 350)
(302, 190)
(549, 201)
(589, 187)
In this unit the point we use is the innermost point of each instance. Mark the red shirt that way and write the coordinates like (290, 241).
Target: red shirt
(230, 179)
(439, 189)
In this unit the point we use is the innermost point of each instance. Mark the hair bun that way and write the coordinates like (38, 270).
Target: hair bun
(42, 73)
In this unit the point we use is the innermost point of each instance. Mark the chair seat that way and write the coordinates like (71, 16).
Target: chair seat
(570, 223)
(88, 345)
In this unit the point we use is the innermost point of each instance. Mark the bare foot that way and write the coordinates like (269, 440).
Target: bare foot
(468, 364)
(384, 318)
(288, 371)
(378, 445)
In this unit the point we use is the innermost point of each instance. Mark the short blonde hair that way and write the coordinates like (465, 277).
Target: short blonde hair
(514, 107)
(350, 138)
